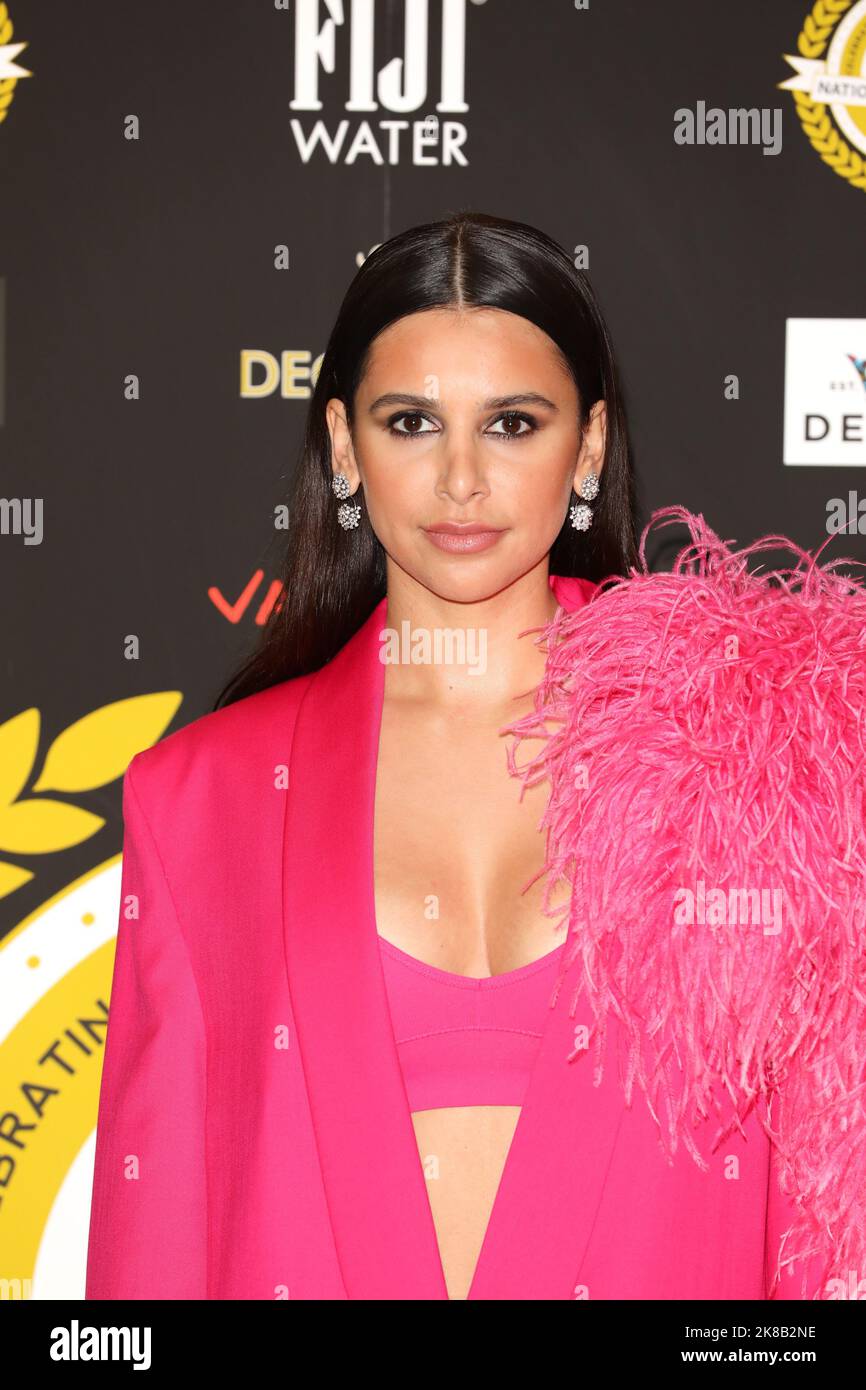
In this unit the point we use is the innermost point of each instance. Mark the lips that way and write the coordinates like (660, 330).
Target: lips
(462, 528)
(460, 538)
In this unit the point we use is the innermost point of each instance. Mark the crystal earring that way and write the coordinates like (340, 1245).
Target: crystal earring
(350, 513)
(580, 513)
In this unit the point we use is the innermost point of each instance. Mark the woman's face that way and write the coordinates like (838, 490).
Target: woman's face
(467, 417)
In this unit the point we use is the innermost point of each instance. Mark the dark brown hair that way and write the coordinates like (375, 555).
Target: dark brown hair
(334, 578)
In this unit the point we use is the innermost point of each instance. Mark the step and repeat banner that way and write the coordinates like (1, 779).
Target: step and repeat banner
(186, 190)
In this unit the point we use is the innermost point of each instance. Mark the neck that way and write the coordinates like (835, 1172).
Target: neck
(467, 655)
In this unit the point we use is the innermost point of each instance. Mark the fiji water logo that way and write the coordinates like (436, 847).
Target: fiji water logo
(416, 125)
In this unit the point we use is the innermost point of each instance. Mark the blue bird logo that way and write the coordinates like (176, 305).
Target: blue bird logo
(860, 364)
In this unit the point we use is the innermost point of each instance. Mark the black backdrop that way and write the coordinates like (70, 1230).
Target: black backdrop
(155, 256)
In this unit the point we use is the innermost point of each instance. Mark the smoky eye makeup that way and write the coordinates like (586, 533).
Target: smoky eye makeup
(529, 424)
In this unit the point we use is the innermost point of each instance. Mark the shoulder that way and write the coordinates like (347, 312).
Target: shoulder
(571, 591)
(208, 753)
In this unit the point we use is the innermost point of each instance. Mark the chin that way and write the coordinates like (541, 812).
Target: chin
(465, 580)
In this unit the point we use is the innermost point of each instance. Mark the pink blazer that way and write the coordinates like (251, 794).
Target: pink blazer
(254, 1137)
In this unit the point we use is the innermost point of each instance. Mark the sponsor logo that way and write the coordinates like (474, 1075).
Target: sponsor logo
(379, 102)
(825, 404)
(829, 85)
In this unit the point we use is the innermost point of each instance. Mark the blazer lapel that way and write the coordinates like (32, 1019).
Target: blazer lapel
(374, 1181)
(553, 1180)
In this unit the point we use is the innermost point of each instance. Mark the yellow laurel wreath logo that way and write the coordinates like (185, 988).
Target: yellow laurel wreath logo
(8, 53)
(90, 753)
(812, 43)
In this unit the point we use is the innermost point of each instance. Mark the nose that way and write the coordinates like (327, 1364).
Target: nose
(464, 471)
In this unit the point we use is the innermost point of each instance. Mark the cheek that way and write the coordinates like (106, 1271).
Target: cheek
(394, 492)
(542, 487)
(539, 502)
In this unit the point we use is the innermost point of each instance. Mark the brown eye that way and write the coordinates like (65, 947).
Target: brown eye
(411, 415)
(515, 418)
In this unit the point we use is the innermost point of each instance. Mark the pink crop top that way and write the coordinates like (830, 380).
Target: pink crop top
(464, 1041)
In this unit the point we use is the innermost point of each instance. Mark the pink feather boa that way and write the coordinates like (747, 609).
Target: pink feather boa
(708, 725)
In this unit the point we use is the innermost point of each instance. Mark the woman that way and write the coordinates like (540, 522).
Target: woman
(342, 1061)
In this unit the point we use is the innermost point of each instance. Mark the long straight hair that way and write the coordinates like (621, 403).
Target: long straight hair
(332, 579)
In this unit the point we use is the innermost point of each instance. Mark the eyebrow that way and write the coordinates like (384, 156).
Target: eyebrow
(493, 403)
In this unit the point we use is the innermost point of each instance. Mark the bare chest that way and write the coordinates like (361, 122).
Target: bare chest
(455, 847)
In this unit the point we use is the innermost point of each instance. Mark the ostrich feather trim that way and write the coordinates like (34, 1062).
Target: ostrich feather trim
(703, 738)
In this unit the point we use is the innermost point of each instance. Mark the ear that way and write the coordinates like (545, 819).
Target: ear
(590, 459)
(342, 451)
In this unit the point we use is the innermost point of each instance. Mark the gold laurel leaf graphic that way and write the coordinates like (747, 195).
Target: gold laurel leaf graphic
(41, 827)
(814, 117)
(8, 85)
(19, 740)
(99, 748)
(12, 876)
(824, 138)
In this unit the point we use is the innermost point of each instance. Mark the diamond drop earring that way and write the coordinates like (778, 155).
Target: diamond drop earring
(580, 513)
(350, 513)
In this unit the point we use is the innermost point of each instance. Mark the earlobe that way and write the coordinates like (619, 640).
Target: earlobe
(586, 480)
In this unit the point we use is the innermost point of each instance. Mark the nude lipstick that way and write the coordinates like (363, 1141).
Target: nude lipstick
(463, 538)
